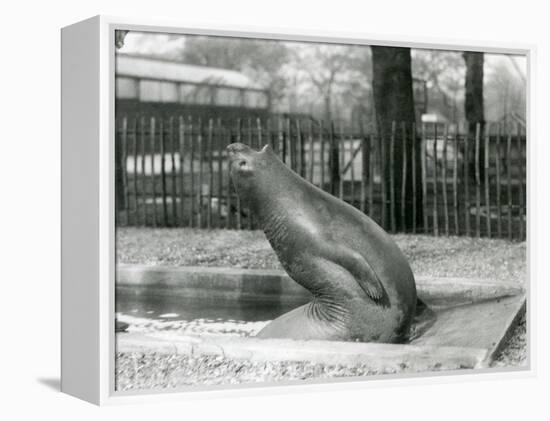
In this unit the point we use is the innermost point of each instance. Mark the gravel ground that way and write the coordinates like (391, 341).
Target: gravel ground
(429, 256)
(156, 371)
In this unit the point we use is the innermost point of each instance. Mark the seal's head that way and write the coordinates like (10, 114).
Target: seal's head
(250, 170)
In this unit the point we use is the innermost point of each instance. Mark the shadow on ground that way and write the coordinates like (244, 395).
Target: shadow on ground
(53, 383)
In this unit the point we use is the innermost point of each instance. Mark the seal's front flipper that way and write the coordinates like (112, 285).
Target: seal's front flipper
(362, 271)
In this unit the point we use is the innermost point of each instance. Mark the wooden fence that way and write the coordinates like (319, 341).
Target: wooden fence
(471, 181)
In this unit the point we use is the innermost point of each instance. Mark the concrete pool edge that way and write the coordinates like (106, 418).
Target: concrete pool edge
(239, 283)
(377, 357)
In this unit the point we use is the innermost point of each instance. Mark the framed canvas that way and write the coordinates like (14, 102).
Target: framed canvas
(243, 211)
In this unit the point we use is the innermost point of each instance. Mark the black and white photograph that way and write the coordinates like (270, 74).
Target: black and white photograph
(291, 212)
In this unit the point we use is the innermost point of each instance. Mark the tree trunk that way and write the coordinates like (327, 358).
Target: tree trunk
(393, 102)
(473, 105)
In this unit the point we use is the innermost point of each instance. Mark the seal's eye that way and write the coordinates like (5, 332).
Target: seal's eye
(242, 164)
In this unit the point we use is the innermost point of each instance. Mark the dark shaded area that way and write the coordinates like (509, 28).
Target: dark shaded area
(473, 103)
(395, 114)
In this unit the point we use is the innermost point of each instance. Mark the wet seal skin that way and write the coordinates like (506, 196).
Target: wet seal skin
(362, 285)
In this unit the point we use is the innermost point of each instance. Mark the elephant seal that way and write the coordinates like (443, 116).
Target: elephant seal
(362, 285)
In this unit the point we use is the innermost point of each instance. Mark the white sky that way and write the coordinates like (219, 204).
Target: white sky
(169, 44)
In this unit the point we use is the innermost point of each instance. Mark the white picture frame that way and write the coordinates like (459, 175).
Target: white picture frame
(88, 227)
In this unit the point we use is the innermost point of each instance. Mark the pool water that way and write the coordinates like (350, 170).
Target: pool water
(162, 307)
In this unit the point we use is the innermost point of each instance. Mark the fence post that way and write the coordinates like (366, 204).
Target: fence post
(435, 205)
(135, 177)
(445, 206)
(152, 129)
(413, 174)
(424, 146)
(322, 153)
(509, 179)
(311, 151)
(364, 166)
(353, 153)
(192, 173)
(455, 181)
(163, 173)
(239, 140)
(221, 147)
(210, 173)
(334, 161)
(173, 174)
(342, 152)
(383, 175)
(521, 178)
(404, 177)
(181, 141)
(143, 177)
(201, 172)
(466, 180)
(371, 174)
(392, 177)
(478, 182)
(487, 184)
(497, 170)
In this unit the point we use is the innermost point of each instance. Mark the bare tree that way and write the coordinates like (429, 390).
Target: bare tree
(473, 104)
(394, 102)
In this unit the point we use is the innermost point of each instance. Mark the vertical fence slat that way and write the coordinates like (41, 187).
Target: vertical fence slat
(413, 175)
(444, 179)
(424, 147)
(455, 180)
(353, 153)
(383, 185)
(322, 154)
(311, 151)
(238, 200)
(288, 144)
(162, 139)
(520, 180)
(221, 147)
(487, 185)
(300, 149)
(173, 175)
(143, 177)
(229, 183)
(200, 145)
(497, 170)
(124, 169)
(404, 177)
(249, 142)
(259, 133)
(371, 175)
(478, 182)
(210, 173)
(281, 140)
(152, 129)
(435, 203)
(135, 175)
(509, 179)
(392, 176)
(364, 167)
(181, 144)
(342, 153)
(466, 180)
(333, 164)
(192, 174)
